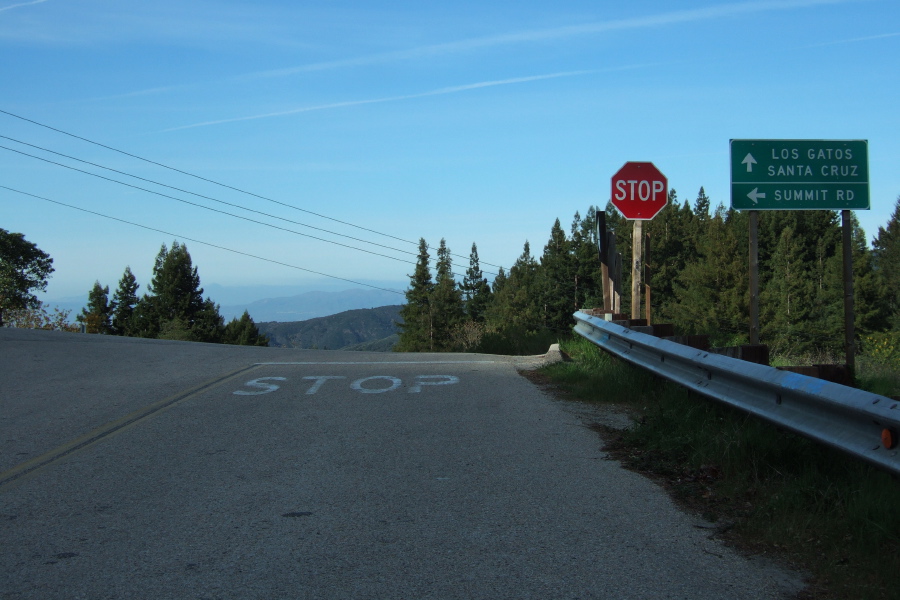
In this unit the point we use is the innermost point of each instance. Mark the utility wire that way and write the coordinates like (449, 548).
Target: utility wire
(215, 210)
(175, 235)
(72, 135)
(171, 187)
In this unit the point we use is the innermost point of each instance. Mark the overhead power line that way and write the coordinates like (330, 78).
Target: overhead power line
(215, 210)
(171, 187)
(177, 236)
(158, 164)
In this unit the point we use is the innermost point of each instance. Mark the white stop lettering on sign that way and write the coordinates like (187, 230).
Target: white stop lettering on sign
(638, 189)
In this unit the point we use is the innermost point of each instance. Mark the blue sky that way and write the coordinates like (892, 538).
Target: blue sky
(475, 122)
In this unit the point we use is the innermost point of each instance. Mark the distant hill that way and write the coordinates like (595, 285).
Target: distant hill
(310, 305)
(360, 329)
(307, 304)
(383, 345)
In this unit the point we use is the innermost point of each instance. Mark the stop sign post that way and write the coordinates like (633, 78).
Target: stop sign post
(639, 192)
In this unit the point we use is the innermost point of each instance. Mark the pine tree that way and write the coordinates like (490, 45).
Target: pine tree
(808, 227)
(98, 312)
(475, 289)
(588, 276)
(446, 300)
(499, 282)
(869, 290)
(207, 324)
(516, 301)
(886, 264)
(710, 290)
(123, 302)
(786, 299)
(244, 332)
(556, 282)
(701, 208)
(871, 312)
(673, 245)
(175, 307)
(417, 328)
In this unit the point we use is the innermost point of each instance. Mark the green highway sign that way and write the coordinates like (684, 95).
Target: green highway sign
(800, 174)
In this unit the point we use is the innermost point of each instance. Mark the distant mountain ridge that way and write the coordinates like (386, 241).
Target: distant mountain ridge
(299, 307)
(310, 305)
(360, 329)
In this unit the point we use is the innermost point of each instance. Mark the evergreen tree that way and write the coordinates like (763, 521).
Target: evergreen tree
(711, 290)
(417, 328)
(96, 316)
(516, 301)
(123, 302)
(785, 301)
(886, 264)
(585, 254)
(446, 300)
(871, 314)
(475, 289)
(811, 272)
(244, 332)
(498, 283)
(175, 307)
(207, 325)
(701, 208)
(808, 227)
(869, 291)
(674, 244)
(556, 281)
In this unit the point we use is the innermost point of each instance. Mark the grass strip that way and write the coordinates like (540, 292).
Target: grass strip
(769, 491)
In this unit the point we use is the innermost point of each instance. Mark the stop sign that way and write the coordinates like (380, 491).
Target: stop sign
(639, 191)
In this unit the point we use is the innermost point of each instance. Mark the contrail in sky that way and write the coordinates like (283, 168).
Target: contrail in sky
(853, 40)
(538, 35)
(649, 21)
(437, 92)
(12, 6)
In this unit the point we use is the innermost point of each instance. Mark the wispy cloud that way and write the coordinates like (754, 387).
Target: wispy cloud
(867, 38)
(12, 6)
(437, 92)
(144, 92)
(523, 37)
(540, 35)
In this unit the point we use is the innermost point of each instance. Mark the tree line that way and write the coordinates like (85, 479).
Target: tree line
(699, 280)
(173, 308)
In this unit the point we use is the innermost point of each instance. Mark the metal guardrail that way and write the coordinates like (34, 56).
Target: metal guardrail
(860, 423)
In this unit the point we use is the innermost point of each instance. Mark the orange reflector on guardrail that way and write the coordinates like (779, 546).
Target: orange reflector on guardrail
(889, 438)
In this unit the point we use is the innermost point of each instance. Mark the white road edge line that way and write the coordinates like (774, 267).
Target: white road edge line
(411, 362)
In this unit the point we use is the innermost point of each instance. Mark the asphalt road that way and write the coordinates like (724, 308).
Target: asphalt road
(150, 469)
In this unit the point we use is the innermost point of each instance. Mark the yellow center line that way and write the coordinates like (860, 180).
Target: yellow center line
(17, 473)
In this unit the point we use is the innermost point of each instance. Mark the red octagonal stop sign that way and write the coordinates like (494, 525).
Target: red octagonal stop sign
(639, 191)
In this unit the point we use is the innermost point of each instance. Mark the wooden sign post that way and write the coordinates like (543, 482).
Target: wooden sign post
(639, 192)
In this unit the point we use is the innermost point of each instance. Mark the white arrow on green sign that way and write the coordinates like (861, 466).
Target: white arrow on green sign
(800, 174)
